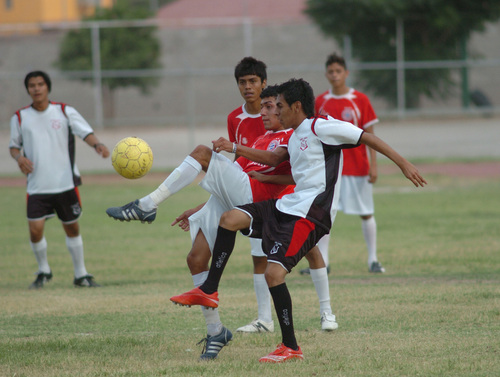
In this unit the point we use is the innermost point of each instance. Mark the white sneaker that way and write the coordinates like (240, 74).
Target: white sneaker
(328, 322)
(257, 326)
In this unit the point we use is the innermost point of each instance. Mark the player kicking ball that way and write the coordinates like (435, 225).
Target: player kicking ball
(230, 185)
(292, 225)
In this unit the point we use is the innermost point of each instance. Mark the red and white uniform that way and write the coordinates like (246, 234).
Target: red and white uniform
(244, 128)
(47, 139)
(230, 185)
(353, 107)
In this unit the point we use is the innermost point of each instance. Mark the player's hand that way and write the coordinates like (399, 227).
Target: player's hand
(222, 144)
(373, 174)
(412, 173)
(102, 150)
(257, 176)
(183, 219)
(25, 165)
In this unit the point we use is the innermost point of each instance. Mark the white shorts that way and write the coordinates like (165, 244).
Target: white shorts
(356, 196)
(230, 187)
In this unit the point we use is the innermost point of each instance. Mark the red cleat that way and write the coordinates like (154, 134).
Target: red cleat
(282, 354)
(197, 297)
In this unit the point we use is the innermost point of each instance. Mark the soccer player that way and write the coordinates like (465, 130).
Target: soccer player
(230, 185)
(359, 173)
(244, 125)
(291, 226)
(45, 132)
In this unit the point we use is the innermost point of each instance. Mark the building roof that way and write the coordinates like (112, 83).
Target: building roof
(261, 11)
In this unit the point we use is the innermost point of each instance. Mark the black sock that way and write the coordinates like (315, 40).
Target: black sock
(283, 305)
(224, 245)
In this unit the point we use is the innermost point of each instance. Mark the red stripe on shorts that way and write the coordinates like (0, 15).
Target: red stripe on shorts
(301, 231)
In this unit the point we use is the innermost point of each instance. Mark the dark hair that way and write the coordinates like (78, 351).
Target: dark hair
(298, 90)
(42, 74)
(250, 66)
(334, 58)
(270, 91)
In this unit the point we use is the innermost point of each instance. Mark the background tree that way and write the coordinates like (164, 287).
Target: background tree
(433, 30)
(124, 48)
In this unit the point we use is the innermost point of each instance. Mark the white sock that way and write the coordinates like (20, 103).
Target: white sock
(323, 247)
(320, 280)
(370, 233)
(263, 297)
(212, 318)
(181, 177)
(75, 248)
(40, 250)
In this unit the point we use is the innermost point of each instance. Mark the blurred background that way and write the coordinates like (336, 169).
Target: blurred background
(170, 63)
(137, 67)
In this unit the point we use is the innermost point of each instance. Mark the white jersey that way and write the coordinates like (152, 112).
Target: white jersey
(47, 140)
(315, 150)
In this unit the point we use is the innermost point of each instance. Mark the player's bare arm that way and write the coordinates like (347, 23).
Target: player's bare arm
(99, 147)
(273, 158)
(275, 179)
(408, 169)
(373, 172)
(25, 165)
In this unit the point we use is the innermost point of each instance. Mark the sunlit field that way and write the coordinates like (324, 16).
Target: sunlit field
(435, 312)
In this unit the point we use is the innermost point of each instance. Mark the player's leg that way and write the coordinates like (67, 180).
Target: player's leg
(206, 294)
(182, 176)
(369, 228)
(38, 209)
(288, 349)
(217, 335)
(264, 321)
(319, 276)
(323, 245)
(68, 209)
(38, 244)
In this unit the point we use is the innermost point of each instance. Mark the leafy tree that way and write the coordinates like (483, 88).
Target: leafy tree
(433, 30)
(123, 48)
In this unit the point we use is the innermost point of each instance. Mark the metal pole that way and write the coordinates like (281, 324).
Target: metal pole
(97, 75)
(400, 70)
(465, 74)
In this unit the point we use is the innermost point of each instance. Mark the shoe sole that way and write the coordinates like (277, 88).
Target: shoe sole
(211, 305)
(122, 220)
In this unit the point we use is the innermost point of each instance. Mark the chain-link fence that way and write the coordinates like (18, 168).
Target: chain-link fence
(196, 87)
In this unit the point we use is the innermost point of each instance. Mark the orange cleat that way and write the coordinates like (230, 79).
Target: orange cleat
(282, 354)
(197, 297)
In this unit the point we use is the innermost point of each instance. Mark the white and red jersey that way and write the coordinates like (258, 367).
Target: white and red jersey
(244, 128)
(353, 107)
(47, 139)
(315, 150)
(269, 141)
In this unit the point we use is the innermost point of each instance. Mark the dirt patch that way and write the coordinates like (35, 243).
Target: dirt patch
(473, 170)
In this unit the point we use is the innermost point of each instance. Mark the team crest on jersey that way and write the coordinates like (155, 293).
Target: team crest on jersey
(272, 145)
(56, 124)
(348, 114)
(303, 144)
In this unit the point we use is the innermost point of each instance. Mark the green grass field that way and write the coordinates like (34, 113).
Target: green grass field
(436, 312)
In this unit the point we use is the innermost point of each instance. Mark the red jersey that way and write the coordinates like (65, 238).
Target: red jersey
(269, 141)
(244, 128)
(353, 107)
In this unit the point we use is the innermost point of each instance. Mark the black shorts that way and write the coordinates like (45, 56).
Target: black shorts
(66, 204)
(285, 238)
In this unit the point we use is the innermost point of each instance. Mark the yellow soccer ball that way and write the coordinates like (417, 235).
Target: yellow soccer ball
(132, 157)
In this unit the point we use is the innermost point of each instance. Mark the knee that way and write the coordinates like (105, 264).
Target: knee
(202, 154)
(234, 220)
(196, 263)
